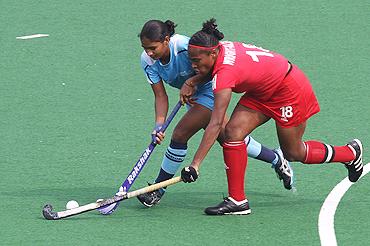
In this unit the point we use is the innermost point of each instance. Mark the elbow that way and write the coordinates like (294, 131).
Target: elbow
(163, 98)
(161, 95)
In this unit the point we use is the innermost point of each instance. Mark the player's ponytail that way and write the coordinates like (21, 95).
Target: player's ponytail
(209, 36)
(210, 27)
(156, 30)
(170, 27)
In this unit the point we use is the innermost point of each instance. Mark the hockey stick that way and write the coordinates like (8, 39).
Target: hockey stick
(126, 185)
(50, 215)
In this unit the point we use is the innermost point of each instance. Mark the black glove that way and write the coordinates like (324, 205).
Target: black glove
(189, 174)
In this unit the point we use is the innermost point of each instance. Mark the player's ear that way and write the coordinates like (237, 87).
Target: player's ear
(214, 54)
(166, 40)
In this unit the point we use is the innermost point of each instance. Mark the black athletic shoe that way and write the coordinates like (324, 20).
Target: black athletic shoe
(151, 198)
(228, 206)
(284, 171)
(355, 167)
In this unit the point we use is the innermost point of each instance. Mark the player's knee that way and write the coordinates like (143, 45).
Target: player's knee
(180, 136)
(232, 133)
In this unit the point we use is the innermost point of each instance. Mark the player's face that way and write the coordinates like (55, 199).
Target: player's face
(155, 49)
(201, 61)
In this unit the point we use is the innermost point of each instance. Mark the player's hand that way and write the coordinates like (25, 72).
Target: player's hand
(189, 174)
(186, 91)
(157, 135)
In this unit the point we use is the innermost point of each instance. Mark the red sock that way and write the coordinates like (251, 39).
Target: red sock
(235, 157)
(317, 152)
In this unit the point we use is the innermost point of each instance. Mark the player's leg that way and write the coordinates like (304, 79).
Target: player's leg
(298, 109)
(255, 149)
(242, 122)
(190, 123)
(275, 157)
(315, 152)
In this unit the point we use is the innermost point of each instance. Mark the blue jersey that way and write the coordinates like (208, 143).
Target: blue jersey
(177, 70)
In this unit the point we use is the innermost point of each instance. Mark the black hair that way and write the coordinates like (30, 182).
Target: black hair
(156, 30)
(209, 36)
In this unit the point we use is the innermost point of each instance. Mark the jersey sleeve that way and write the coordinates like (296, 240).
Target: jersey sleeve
(180, 43)
(151, 74)
(224, 78)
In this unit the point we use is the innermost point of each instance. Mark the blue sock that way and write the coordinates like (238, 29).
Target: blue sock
(172, 160)
(260, 152)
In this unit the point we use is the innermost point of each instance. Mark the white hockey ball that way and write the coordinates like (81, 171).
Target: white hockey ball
(72, 204)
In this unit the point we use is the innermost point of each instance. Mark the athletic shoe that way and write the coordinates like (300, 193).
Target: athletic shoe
(150, 199)
(355, 167)
(229, 206)
(284, 171)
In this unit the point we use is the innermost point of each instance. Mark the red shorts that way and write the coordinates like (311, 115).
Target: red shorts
(292, 103)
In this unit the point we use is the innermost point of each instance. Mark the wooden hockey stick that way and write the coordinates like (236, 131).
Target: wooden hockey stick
(50, 215)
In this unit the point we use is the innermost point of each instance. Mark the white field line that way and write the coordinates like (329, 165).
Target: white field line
(327, 212)
(33, 36)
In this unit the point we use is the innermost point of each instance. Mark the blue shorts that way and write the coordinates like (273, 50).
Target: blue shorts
(204, 95)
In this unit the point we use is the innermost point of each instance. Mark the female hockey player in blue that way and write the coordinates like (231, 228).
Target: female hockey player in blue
(165, 60)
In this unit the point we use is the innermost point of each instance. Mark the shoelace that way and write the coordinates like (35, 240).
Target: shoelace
(285, 168)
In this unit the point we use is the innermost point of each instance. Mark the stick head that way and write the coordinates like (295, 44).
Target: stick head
(109, 209)
(48, 213)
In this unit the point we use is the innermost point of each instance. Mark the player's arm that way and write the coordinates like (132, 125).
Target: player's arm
(189, 87)
(222, 100)
(160, 95)
(160, 102)
(161, 109)
(198, 79)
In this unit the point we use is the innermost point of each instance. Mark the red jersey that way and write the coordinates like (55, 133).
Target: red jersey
(249, 69)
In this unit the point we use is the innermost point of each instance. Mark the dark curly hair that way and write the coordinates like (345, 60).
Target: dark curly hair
(209, 36)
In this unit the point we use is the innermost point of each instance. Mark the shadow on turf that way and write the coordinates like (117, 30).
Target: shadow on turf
(260, 199)
(185, 201)
(173, 198)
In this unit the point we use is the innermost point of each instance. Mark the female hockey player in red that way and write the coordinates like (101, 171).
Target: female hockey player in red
(165, 61)
(272, 87)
